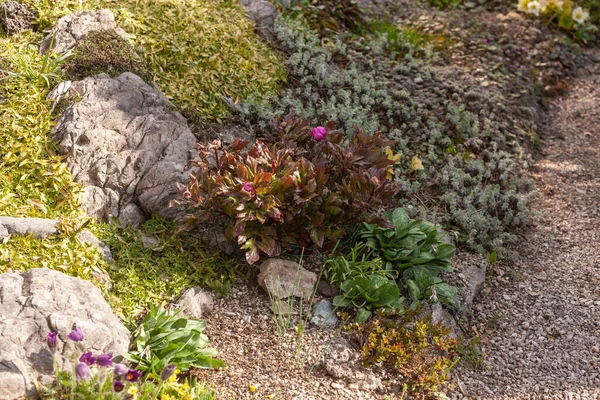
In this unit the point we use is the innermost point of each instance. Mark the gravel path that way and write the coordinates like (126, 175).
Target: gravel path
(539, 321)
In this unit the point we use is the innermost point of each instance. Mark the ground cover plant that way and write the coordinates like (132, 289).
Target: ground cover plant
(418, 352)
(457, 164)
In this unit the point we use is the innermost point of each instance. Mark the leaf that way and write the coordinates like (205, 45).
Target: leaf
(362, 315)
(491, 258)
(413, 290)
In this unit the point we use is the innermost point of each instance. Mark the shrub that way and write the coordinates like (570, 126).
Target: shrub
(105, 51)
(295, 186)
(165, 338)
(420, 352)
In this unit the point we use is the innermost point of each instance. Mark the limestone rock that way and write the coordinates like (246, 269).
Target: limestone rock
(474, 278)
(38, 301)
(126, 146)
(323, 315)
(16, 17)
(341, 361)
(439, 314)
(196, 301)
(261, 12)
(282, 279)
(70, 29)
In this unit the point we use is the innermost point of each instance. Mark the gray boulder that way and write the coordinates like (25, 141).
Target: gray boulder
(282, 279)
(196, 302)
(16, 17)
(341, 361)
(127, 147)
(38, 301)
(70, 29)
(261, 12)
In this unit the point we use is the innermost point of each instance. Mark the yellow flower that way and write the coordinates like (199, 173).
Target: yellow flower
(253, 388)
(523, 5)
(580, 15)
(558, 4)
(417, 164)
(132, 391)
(393, 157)
(185, 386)
(174, 376)
(166, 397)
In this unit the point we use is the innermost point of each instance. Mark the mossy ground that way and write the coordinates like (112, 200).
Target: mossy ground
(196, 50)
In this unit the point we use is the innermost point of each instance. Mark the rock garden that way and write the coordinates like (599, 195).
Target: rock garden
(299, 199)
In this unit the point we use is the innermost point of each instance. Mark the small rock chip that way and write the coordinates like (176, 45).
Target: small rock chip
(323, 315)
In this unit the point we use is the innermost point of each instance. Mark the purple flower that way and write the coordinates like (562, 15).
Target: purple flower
(82, 372)
(485, 40)
(51, 340)
(87, 358)
(132, 375)
(76, 335)
(120, 369)
(118, 386)
(167, 372)
(248, 187)
(319, 133)
(104, 360)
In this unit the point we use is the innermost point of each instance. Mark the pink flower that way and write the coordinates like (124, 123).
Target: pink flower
(248, 187)
(319, 133)
(187, 194)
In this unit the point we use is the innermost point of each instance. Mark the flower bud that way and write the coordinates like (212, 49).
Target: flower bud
(319, 133)
(82, 372)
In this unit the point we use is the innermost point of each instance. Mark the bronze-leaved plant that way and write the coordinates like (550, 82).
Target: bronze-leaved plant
(290, 187)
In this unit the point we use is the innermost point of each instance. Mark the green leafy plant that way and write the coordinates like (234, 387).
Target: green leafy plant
(291, 187)
(368, 293)
(416, 250)
(359, 262)
(165, 338)
(420, 352)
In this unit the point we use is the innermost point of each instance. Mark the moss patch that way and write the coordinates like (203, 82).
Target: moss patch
(105, 51)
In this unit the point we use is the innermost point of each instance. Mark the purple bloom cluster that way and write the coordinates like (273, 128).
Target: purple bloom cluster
(82, 370)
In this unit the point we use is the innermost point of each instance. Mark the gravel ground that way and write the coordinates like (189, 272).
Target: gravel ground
(539, 320)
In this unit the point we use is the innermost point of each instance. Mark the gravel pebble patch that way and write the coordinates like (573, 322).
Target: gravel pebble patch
(539, 320)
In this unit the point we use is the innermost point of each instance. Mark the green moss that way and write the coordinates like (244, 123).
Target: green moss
(143, 276)
(105, 51)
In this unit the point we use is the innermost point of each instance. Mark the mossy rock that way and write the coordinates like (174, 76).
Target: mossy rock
(105, 51)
